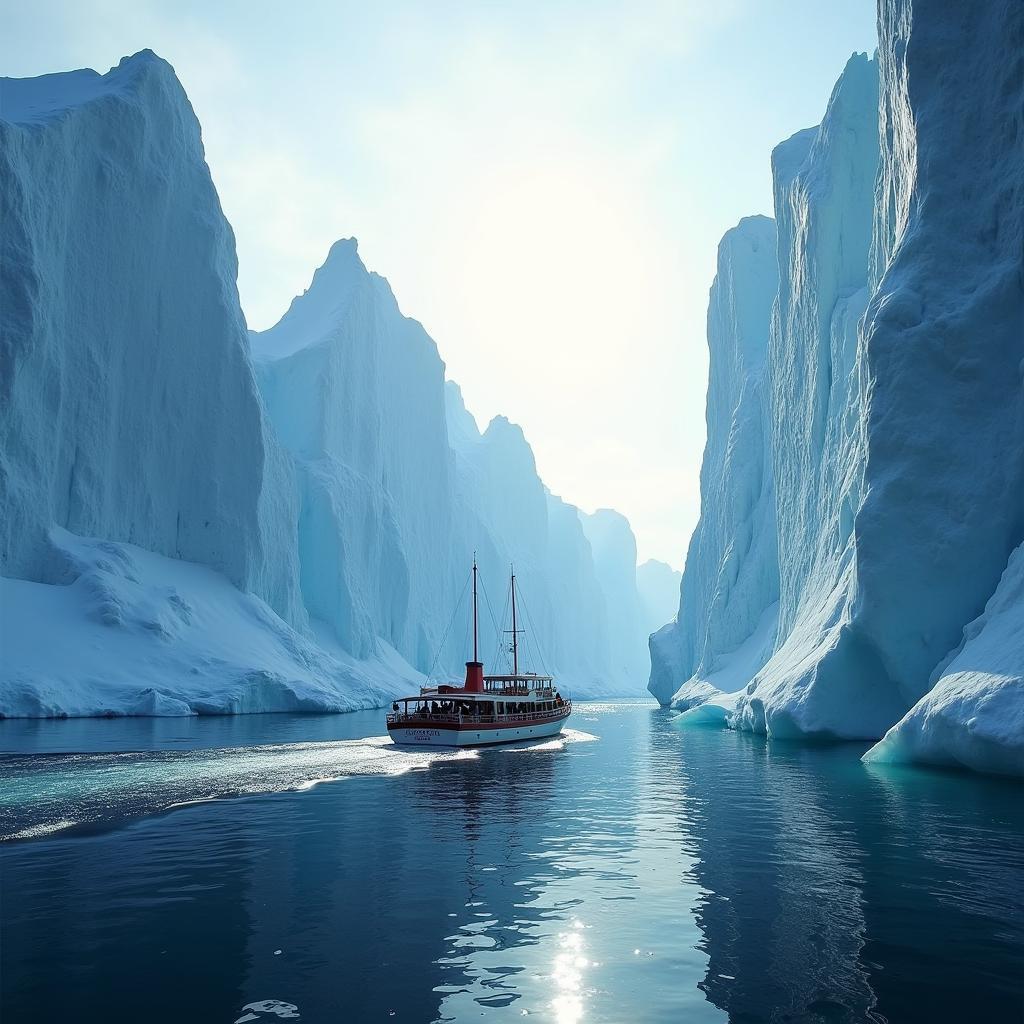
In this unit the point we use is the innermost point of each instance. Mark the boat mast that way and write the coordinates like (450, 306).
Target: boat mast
(515, 632)
(475, 657)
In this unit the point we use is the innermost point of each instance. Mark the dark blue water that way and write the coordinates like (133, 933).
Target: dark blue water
(644, 874)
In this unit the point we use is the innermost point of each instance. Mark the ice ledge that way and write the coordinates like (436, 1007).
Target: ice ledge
(37, 100)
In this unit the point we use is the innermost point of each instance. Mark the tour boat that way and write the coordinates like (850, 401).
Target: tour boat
(486, 709)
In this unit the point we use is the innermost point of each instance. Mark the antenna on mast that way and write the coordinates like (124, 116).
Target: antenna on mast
(515, 632)
(474, 668)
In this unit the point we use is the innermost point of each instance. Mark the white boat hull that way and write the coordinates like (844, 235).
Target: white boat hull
(467, 736)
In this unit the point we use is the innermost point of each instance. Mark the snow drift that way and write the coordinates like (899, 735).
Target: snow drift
(896, 436)
(142, 634)
(196, 520)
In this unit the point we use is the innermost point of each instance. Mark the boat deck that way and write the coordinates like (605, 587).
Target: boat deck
(434, 719)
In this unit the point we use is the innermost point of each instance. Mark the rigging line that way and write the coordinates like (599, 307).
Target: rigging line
(533, 630)
(500, 646)
(490, 611)
(448, 628)
(487, 601)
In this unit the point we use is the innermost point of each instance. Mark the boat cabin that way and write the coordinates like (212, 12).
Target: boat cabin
(519, 698)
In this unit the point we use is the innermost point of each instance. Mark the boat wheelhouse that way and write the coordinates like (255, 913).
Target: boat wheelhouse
(485, 709)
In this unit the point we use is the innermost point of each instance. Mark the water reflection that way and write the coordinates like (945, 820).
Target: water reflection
(830, 894)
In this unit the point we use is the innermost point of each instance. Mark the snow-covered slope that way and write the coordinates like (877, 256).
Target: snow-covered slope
(894, 377)
(136, 633)
(117, 294)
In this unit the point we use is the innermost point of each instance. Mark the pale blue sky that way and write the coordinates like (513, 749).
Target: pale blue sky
(544, 184)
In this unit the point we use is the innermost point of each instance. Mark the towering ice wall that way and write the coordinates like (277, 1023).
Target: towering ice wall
(897, 402)
(117, 295)
(207, 534)
(513, 519)
(657, 583)
(945, 342)
(730, 583)
(614, 552)
(944, 332)
(355, 390)
(399, 488)
(825, 676)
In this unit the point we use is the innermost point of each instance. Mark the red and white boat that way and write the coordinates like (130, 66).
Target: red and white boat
(486, 709)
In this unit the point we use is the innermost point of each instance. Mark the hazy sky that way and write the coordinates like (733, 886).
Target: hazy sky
(544, 184)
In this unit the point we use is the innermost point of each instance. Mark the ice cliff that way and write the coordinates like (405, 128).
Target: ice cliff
(117, 293)
(658, 586)
(398, 487)
(199, 521)
(892, 450)
(730, 581)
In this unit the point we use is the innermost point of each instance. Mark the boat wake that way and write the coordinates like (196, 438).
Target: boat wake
(44, 794)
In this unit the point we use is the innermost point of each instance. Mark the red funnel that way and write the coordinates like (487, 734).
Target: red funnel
(474, 677)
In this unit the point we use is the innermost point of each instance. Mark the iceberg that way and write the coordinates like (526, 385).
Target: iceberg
(731, 572)
(823, 678)
(657, 583)
(973, 715)
(117, 294)
(398, 487)
(355, 392)
(217, 521)
(894, 429)
(613, 548)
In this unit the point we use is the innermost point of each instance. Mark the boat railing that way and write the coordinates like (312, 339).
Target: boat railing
(428, 718)
(492, 691)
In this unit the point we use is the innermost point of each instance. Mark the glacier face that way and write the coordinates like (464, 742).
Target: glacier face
(823, 678)
(944, 333)
(117, 292)
(355, 391)
(730, 580)
(224, 522)
(894, 382)
(398, 488)
(657, 583)
(973, 715)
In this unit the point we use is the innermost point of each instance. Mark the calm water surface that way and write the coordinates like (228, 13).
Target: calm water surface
(194, 870)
